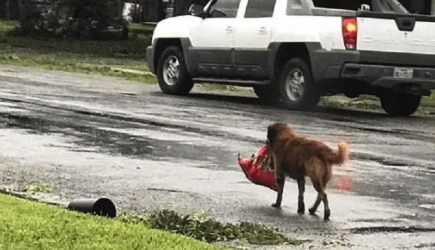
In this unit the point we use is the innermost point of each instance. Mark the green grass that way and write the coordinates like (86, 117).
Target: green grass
(429, 101)
(33, 225)
(30, 225)
(124, 59)
(364, 102)
(370, 103)
(38, 188)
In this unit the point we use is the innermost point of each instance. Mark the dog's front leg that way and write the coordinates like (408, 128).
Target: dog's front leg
(280, 180)
(301, 186)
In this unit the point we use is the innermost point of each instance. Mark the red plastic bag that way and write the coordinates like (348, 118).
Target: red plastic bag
(254, 171)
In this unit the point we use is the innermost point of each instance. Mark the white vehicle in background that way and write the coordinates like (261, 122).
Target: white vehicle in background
(295, 51)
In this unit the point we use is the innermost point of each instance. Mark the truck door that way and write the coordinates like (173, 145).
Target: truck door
(213, 41)
(252, 39)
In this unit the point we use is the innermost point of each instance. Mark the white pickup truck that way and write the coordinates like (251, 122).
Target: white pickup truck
(294, 51)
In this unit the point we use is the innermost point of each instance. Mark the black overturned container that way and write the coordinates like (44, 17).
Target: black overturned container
(101, 207)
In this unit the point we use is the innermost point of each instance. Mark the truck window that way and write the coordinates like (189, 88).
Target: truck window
(224, 9)
(341, 4)
(367, 5)
(260, 8)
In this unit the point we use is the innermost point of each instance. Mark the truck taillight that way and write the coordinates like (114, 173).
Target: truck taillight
(350, 30)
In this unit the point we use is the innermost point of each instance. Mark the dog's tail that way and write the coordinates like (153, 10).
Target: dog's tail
(342, 154)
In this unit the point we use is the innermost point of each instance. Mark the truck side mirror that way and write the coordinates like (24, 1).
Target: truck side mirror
(197, 10)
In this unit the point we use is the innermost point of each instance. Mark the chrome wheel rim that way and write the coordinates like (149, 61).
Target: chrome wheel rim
(295, 85)
(171, 70)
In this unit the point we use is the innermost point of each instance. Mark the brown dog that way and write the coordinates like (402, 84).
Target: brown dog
(298, 157)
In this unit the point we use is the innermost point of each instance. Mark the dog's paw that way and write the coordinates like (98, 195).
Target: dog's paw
(276, 205)
(301, 208)
(327, 215)
(312, 211)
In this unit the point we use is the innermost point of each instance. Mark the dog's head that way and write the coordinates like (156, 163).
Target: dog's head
(277, 130)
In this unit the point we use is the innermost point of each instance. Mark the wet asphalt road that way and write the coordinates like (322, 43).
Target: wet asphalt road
(90, 136)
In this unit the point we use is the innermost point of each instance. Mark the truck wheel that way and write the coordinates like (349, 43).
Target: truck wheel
(296, 87)
(266, 93)
(400, 104)
(172, 73)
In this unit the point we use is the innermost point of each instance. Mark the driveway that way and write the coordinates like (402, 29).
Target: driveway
(91, 136)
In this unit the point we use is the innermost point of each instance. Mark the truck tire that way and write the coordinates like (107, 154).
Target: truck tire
(172, 73)
(266, 94)
(296, 87)
(400, 104)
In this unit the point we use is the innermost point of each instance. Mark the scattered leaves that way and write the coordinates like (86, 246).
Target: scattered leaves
(38, 188)
(210, 230)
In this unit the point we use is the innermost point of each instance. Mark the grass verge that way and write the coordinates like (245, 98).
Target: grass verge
(124, 59)
(31, 225)
(429, 101)
(371, 103)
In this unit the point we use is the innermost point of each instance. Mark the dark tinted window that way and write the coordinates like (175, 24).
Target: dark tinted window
(341, 4)
(260, 8)
(225, 8)
(368, 5)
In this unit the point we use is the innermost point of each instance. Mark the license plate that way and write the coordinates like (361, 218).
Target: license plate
(403, 73)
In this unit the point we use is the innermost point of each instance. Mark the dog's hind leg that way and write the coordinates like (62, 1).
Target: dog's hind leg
(327, 212)
(326, 179)
(301, 186)
(315, 172)
(319, 198)
(280, 180)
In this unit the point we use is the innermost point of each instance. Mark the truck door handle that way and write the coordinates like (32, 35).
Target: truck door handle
(229, 29)
(262, 30)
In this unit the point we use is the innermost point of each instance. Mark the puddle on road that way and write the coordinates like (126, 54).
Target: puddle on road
(91, 136)
(145, 141)
(427, 206)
